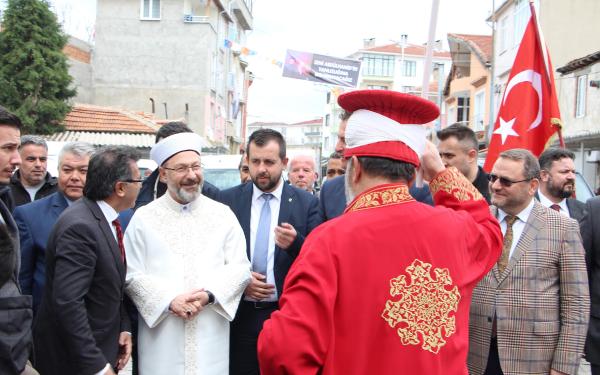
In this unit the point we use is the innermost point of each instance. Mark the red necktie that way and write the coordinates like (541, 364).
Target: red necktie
(119, 230)
(555, 207)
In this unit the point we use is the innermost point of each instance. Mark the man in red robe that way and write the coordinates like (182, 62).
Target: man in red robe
(385, 288)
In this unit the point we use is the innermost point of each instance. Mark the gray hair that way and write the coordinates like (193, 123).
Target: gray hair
(33, 140)
(531, 167)
(79, 149)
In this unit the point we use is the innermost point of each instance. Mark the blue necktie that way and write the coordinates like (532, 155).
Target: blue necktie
(261, 245)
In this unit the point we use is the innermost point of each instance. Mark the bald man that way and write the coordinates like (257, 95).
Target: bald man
(302, 172)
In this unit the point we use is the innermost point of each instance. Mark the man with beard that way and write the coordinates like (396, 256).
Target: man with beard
(276, 218)
(385, 288)
(529, 314)
(557, 183)
(186, 268)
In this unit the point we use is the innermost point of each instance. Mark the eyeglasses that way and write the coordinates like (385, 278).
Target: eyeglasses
(504, 181)
(132, 180)
(183, 169)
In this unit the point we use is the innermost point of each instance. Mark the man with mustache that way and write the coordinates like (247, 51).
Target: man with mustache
(186, 268)
(557, 183)
(32, 181)
(276, 218)
(36, 219)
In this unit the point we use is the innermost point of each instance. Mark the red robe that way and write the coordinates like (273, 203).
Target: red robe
(386, 287)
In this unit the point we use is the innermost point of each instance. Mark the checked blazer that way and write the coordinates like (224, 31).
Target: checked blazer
(541, 301)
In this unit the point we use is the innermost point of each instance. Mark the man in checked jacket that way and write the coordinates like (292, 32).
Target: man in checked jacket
(529, 314)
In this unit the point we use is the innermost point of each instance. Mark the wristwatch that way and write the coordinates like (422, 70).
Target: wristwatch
(211, 297)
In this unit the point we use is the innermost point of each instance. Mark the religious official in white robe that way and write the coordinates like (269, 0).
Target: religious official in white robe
(173, 249)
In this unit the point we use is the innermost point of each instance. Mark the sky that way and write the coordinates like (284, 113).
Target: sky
(329, 27)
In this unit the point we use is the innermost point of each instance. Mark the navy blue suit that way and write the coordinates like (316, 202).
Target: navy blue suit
(298, 208)
(332, 198)
(35, 221)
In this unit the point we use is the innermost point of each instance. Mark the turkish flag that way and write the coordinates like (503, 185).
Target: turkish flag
(529, 113)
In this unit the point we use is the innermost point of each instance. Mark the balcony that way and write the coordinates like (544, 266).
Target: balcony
(240, 10)
(312, 134)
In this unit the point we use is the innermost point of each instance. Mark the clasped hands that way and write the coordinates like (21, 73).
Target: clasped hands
(188, 305)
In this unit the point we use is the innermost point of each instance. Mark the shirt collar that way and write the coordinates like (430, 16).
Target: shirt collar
(256, 192)
(547, 202)
(523, 215)
(109, 213)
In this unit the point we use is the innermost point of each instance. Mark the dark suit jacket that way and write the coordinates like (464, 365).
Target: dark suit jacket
(77, 327)
(576, 208)
(332, 198)
(35, 221)
(298, 208)
(590, 232)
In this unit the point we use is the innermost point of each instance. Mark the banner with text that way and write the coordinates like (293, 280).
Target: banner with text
(322, 69)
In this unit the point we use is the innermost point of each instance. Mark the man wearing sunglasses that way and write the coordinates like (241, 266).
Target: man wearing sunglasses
(529, 314)
(557, 183)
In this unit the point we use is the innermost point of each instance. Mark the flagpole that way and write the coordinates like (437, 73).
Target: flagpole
(542, 47)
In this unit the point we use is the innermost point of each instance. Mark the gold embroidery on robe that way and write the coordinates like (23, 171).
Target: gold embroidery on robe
(422, 312)
(454, 183)
(381, 196)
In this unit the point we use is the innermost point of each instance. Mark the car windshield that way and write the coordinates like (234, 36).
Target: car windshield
(222, 178)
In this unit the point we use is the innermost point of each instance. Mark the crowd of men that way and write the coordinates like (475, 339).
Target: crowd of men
(468, 272)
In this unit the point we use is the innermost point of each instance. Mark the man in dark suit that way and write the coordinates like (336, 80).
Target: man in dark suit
(36, 219)
(15, 308)
(459, 148)
(557, 183)
(332, 198)
(81, 326)
(590, 232)
(276, 218)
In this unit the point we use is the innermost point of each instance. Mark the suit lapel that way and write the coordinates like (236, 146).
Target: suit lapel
(534, 224)
(110, 238)
(59, 204)
(285, 207)
(575, 210)
(245, 212)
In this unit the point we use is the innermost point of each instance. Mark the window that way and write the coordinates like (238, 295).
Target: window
(580, 96)
(522, 15)
(409, 69)
(462, 112)
(408, 89)
(479, 111)
(150, 9)
(505, 36)
(377, 87)
(378, 65)
(327, 119)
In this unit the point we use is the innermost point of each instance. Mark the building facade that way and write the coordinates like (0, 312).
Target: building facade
(172, 58)
(467, 89)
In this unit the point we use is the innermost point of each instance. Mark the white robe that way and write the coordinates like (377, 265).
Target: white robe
(169, 252)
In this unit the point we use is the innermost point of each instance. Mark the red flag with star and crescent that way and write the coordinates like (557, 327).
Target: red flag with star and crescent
(529, 113)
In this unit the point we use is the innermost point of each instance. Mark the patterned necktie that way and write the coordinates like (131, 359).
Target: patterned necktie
(555, 207)
(261, 245)
(119, 231)
(507, 243)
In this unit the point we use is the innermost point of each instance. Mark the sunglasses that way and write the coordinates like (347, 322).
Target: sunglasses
(504, 181)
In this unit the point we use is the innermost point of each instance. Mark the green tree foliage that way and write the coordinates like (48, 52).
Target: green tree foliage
(34, 77)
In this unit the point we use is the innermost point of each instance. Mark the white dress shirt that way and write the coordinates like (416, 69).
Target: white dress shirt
(257, 204)
(110, 214)
(518, 225)
(564, 209)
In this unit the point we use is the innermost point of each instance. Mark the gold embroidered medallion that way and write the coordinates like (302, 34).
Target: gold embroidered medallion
(422, 312)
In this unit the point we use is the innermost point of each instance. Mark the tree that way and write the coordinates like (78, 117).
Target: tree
(34, 77)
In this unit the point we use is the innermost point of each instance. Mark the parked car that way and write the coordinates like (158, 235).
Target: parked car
(583, 191)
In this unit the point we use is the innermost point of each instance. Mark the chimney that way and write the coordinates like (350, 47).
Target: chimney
(369, 43)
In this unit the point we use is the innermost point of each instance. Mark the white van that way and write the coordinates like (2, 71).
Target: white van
(221, 170)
